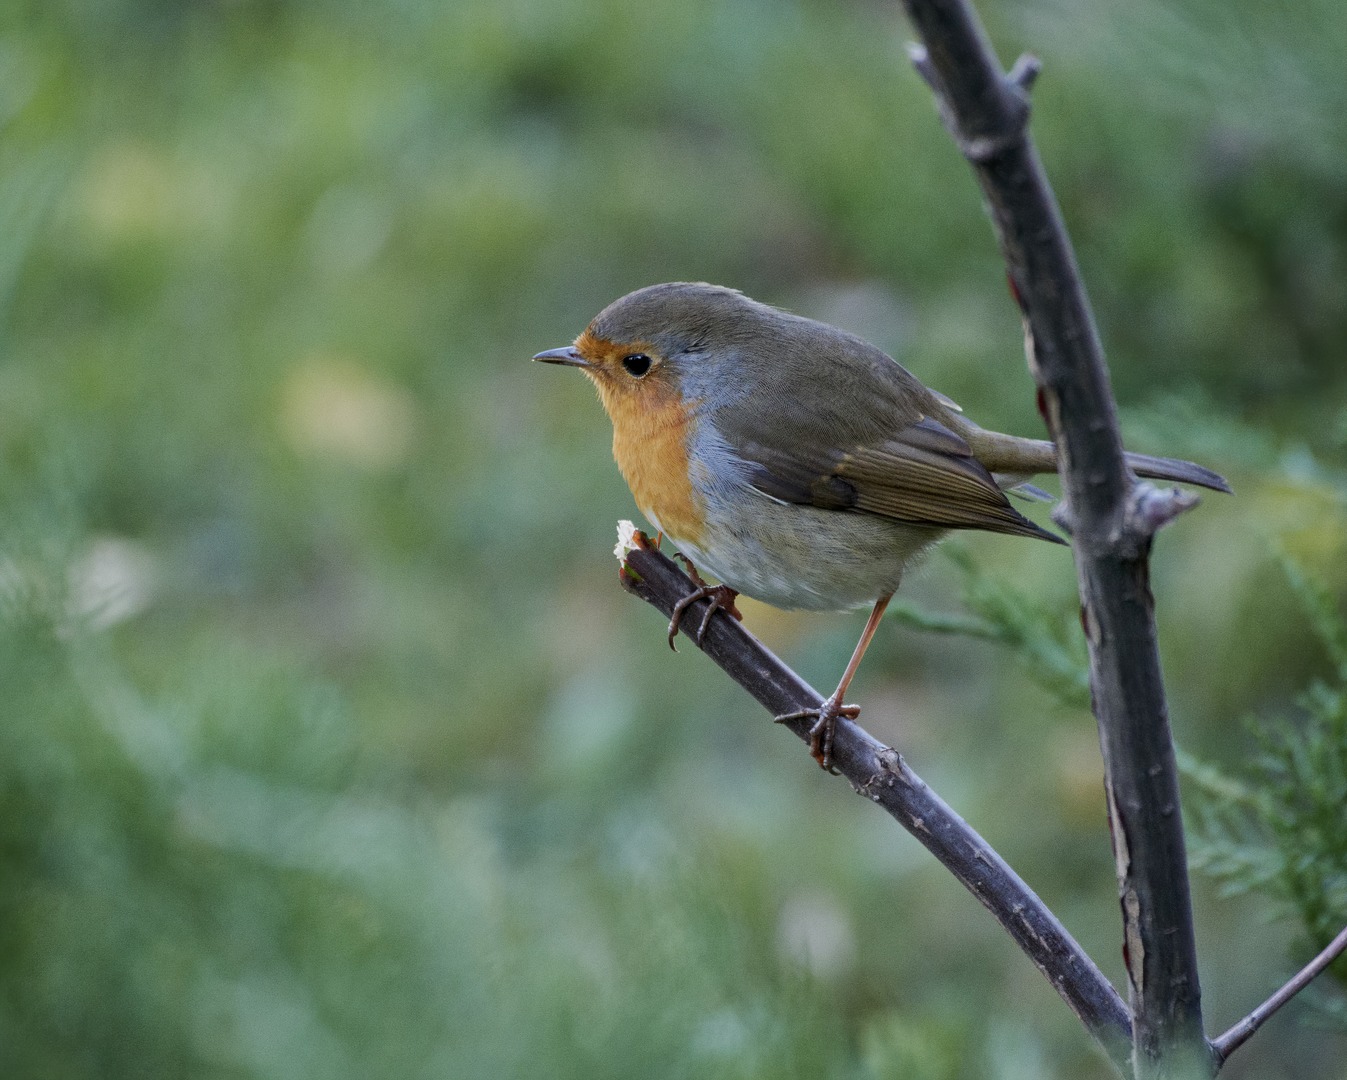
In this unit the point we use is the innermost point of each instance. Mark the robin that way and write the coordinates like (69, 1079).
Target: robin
(799, 464)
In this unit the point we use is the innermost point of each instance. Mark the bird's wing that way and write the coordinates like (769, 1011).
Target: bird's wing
(923, 475)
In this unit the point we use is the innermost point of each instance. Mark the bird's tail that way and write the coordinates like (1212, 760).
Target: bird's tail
(1018, 457)
(1185, 472)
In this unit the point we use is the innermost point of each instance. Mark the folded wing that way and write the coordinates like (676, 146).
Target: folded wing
(923, 475)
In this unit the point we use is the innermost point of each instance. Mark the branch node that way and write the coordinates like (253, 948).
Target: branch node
(1063, 517)
(1009, 128)
(890, 761)
(892, 770)
(1149, 509)
(921, 60)
(1026, 71)
(984, 148)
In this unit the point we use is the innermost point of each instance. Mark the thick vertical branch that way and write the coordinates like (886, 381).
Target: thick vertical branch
(1111, 516)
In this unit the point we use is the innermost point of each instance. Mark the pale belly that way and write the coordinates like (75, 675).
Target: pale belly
(793, 556)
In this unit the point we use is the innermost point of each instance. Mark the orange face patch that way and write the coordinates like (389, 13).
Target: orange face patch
(650, 435)
(597, 350)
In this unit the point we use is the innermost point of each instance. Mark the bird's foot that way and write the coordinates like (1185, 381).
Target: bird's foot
(721, 598)
(825, 725)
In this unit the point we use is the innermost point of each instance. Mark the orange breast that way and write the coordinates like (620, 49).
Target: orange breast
(650, 445)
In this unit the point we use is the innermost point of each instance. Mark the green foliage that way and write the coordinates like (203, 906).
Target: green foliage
(1046, 643)
(1276, 827)
(185, 896)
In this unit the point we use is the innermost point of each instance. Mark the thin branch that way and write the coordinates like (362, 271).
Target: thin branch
(879, 773)
(1238, 1035)
(1112, 518)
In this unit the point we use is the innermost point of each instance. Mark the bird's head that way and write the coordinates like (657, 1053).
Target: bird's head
(652, 347)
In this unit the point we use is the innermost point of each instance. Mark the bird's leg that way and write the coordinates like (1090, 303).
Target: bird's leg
(821, 734)
(721, 598)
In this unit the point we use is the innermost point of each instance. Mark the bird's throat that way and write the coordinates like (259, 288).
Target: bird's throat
(650, 445)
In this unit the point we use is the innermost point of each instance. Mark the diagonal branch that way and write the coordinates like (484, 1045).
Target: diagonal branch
(1225, 1045)
(1112, 518)
(880, 774)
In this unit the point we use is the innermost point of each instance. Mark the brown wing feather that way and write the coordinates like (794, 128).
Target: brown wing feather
(924, 475)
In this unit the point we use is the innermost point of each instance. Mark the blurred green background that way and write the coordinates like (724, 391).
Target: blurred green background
(329, 746)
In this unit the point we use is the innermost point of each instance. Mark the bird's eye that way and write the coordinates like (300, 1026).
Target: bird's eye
(636, 364)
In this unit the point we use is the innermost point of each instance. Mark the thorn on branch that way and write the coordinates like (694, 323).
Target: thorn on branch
(1149, 509)
(1026, 71)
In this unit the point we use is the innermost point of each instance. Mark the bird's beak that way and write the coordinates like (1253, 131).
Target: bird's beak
(567, 356)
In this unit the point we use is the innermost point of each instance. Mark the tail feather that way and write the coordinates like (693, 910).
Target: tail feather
(1024, 457)
(1185, 472)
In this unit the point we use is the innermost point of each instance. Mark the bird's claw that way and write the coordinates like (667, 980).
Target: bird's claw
(721, 598)
(824, 727)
